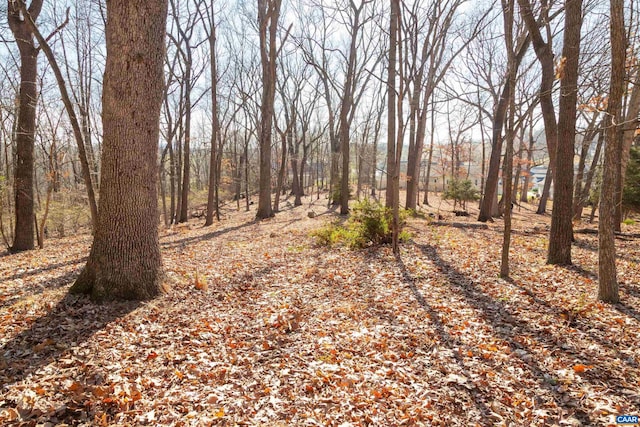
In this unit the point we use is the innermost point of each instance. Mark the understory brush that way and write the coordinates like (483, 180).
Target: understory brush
(370, 223)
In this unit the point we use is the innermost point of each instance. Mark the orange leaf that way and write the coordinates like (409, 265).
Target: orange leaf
(75, 386)
(43, 345)
(201, 284)
(579, 368)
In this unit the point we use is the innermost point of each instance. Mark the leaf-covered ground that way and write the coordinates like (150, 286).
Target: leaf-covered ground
(261, 327)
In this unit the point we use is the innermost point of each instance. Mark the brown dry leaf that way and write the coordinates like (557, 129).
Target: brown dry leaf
(295, 334)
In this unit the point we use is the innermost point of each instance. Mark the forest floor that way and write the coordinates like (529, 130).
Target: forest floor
(277, 331)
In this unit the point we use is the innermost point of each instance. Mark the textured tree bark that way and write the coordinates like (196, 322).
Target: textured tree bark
(391, 104)
(544, 53)
(395, 111)
(346, 108)
(488, 203)
(26, 124)
(125, 261)
(186, 164)
(508, 7)
(607, 282)
(268, 15)
(561, 218)
(592, 132)
(212, 205)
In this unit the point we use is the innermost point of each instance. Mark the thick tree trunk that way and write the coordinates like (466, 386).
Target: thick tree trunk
(212, 204)
(24, 196)
(544, 53)
(26, 125)
(561, 218)
(607, 281)
(391, 104)
(125, 261)
(508, 14)
(268, 15)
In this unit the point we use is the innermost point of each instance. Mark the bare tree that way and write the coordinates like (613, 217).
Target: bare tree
(345, 73)
(394, 145)
(71, 112)
(212, 205)
(268, 16)
(561, 233)
(508, 10)
(488, 205)
(26, 122)
(607, 281)
(185, 45)
(426, 66)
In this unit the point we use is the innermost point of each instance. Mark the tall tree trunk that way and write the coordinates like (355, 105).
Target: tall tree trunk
(561, 218)
(487, 211)
(395, 112)
(268, 15)
(391, 102)
(282, 170)
(524, 193)
(374, 155)
(607, 281)
(508, 7)
(215, 125)
(186, 175)
(172, 182)
(591, 174)
(162, 176)
(125, 260)
(544, 53)
(26, 125)
(590, 135)
(345, 109)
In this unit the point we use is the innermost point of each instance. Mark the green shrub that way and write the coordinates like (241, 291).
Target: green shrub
(370, 223)
(328, 235)
(461, 191)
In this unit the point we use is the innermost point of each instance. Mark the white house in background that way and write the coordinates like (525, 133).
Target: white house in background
(538, 176)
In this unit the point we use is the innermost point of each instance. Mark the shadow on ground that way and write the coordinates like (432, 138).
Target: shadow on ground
(54, 336)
